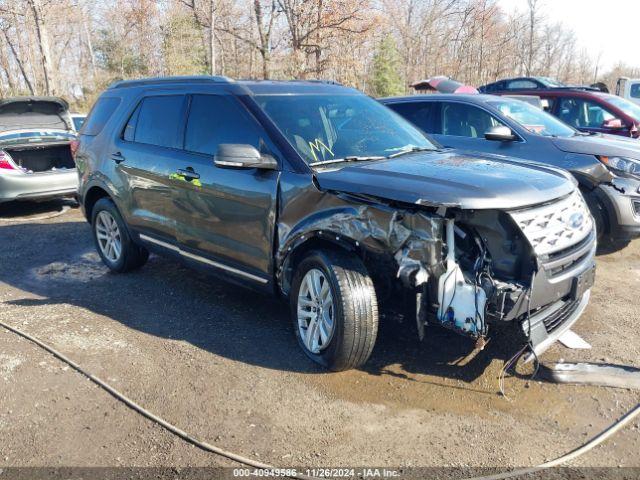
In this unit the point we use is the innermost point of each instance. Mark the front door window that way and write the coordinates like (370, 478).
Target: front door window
(582, 113)
(463, 120)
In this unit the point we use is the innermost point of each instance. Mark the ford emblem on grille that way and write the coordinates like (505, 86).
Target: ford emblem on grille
(576, 220)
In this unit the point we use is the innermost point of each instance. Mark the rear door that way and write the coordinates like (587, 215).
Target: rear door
(226, 216)
(146, 156)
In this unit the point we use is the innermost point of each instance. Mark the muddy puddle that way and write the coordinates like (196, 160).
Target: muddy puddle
(83, 269)
(405, 376)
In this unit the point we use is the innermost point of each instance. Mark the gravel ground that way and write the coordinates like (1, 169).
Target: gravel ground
(222, 364)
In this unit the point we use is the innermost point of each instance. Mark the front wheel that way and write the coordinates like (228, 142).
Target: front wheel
(599, 214)
(334, 309)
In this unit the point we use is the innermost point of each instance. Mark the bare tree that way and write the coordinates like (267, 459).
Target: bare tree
(42, 35)
(19, 62)
(97, 41)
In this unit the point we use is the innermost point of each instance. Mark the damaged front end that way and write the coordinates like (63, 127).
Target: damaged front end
(467, 270)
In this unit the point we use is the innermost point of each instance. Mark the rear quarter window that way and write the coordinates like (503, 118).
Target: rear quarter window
(99, 115)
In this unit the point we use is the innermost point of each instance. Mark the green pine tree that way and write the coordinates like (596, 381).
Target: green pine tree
(386, 78)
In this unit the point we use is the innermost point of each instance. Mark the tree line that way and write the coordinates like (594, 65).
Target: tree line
(74, 48)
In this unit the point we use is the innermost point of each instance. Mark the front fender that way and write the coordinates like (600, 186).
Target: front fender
(412, 237)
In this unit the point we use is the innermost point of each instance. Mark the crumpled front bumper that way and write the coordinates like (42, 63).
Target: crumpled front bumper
(38, 186)
(622, 201)
(549, 324)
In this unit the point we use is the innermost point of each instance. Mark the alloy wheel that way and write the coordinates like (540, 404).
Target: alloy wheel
(316, 321)
(108, 235)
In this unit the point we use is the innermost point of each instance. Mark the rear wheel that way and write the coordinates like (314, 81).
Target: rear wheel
(112, 240)
(334, 309)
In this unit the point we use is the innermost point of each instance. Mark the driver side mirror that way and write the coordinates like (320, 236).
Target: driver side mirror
(500, 133)
(613, 124)
(233, 155)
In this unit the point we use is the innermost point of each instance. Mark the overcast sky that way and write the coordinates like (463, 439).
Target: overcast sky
(606, 28)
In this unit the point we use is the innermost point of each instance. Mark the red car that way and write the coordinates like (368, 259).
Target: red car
(588, 110)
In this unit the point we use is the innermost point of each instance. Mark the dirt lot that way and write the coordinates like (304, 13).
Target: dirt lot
(223, 364)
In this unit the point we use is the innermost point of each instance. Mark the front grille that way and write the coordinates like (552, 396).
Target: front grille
(557, 318)
(555, 226)
(558, 262)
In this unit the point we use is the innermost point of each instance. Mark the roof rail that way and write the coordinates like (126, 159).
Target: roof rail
(138, 82)
(576, 87)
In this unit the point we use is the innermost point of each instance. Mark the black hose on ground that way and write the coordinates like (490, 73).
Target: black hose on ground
(597, 440)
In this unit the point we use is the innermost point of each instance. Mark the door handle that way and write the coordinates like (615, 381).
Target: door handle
(117, 157)
(188, 173)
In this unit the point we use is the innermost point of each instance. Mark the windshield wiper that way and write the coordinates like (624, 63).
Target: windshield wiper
(351, 158)
(411, 150)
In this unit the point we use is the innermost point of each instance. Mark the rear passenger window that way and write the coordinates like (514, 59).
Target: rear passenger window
(418, 113)
(100, 115)
(157, 121)
(216, 119)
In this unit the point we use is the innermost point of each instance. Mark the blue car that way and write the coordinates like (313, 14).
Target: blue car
(606, 167)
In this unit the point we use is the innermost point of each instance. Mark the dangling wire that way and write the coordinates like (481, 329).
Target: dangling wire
(503, 373)
(529, 346)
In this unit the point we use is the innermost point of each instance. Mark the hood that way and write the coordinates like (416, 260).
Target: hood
(600, 144)
(451, 179)
(25, 113)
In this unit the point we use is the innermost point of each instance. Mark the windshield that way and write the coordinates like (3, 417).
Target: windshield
(35, 136)
(629, 108)
(552, 82)
(327, 128)
(533, 119)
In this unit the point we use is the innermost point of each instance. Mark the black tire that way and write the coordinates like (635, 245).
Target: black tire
(599, 214)
(132, 256)
(355, 309)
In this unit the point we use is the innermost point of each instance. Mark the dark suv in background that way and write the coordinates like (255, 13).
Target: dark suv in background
(318, 193)
(521, 83)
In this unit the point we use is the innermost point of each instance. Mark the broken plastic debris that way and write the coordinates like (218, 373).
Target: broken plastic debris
(603, 374)
(571, 339)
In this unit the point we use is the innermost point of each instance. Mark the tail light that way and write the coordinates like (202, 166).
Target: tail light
(6, 163)
(73, 146)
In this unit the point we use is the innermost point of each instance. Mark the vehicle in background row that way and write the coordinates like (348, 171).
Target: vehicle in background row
(36, 135)
(521, 83)
(320, 194)
(442, 84)
(589, 110)
(533, 83)
(78, 120)
(606, 168)
(629, 88)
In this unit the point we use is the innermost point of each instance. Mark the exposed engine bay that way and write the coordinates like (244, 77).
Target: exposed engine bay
(462, 269)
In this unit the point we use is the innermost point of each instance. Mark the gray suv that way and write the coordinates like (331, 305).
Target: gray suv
(319, 194)
(603, 165)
